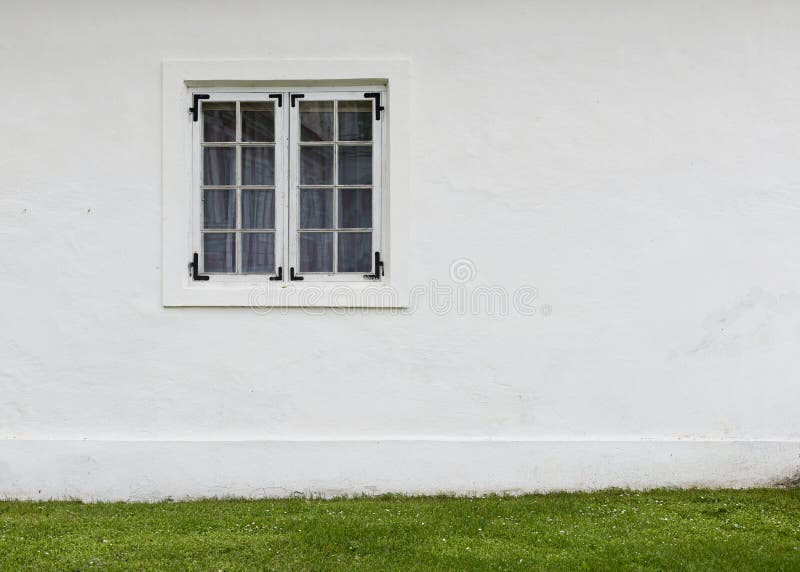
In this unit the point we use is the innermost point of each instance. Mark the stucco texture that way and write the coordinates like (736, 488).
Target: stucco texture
(634, 162)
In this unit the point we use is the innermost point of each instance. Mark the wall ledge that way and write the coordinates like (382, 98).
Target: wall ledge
(142, 470)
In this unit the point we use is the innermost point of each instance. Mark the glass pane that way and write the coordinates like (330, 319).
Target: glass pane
(355, 120)
(219, 121)
(316, 252)
(258, 165)
(258, 252)
(219, 252)
(355, 165)
(219, 209)
(316, 165)
(258, 121)
(258, 209)
(355, 252)
(355, 208)
(219, 166)
(316, 121)
(316, 208)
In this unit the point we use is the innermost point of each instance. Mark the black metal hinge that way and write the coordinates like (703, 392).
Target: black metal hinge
(378, 107)
(293, 276)
(379, 271)
(279, 275)
(194, 265)
(195, 108)
(278, 96)
(295, 96)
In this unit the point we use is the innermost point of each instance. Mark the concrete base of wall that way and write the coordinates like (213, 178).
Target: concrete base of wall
(153, 470)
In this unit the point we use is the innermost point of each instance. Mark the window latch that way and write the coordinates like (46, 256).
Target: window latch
(279, 275)
(379, 271)
(194, 265)
(293, 276)
(378, 107)
(195, 108)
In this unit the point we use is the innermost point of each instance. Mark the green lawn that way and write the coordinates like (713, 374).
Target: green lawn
(610, 530)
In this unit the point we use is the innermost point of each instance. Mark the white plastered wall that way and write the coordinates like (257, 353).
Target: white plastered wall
(636, 163)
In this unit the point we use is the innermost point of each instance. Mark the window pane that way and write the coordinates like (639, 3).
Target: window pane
(316, 252)
(316, 121)
(219, 121)
(258, 121)
(258, 165)
(355, 120)
(316, 208)
(219, 209)
(355, 208)
(355, 252)
(258, 208)
(355, 165)
(258, 252)
(316, 165)
(219, 252)
(219, 166)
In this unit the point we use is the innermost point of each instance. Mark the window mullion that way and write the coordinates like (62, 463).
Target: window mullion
(289, 215)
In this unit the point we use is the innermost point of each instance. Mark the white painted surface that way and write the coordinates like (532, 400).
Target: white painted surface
(93, 470)
(637, 163)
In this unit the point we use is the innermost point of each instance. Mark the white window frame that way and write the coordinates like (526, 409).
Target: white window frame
(280, 182)
(391, 76)
(377, 144)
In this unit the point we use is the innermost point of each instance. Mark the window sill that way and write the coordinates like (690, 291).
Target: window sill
(262, 295)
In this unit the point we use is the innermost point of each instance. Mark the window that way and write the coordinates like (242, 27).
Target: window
(287, 185)
(262, 220)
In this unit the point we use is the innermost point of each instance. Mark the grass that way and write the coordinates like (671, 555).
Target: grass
(755, 529)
